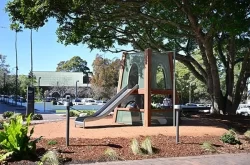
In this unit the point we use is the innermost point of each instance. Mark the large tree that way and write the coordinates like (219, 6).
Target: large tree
(218, 28)
(75, 64)
(105, 77)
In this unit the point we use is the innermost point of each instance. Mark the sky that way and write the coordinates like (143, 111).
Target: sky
(47, 52)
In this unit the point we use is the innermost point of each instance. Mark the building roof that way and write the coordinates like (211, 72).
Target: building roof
(52, 78)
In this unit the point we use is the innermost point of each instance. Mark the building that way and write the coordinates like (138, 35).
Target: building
(52, 79)
(60, 84)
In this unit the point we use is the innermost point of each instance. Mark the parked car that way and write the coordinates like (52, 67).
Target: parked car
(77, 102)
(243, 111)
(191, 104)
(49, 99)
(100, 102)
(90, 102)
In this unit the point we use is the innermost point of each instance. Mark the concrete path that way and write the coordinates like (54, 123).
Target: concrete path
(221, 159)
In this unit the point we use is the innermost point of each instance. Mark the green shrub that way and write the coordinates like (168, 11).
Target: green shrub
(37, 117)
(7, 114)
(73, 114)
(247, 134)
(50, 157)
(207, 146)
(111, 155)
(146, 146)
(89, 112)
(230, 137)
(15, 141)
(135, 147)
(52, 142)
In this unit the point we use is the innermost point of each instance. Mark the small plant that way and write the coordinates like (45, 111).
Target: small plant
(73, 114)
(207, 146)
(52, 142)
(230, 137)
(247, 134)
(7, 114)
(15, 141)
(135, 147)
(146, 146)
(111, 154)
(37, 117)
(50, 157)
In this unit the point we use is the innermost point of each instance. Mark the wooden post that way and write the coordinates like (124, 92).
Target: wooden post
(147, 87)
(123, 62)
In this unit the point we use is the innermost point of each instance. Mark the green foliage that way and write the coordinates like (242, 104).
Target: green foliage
(24, 81)
(75, 64)
(7, 114)
(146, 146)
(37, 117)
(135, 147)
(73, 114)
(230, 137)
(52, 142)
(185, 26)
(50, 157)
(14, 138)
(111, 154)
(207, 146)
(247, 134)
(105, 78)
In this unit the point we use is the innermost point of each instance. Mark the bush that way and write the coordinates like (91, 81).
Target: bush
(111, 155)
(146, 146)
(89, 112)
(15, 141)
(37, 117)
(52, 142)
(230, 137)
(247, 134)
(7, 114)
(207, 146)
(73, 114)
(135, 147)
(50, 157)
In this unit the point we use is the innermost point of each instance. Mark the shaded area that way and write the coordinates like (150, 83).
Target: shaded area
(240, 123)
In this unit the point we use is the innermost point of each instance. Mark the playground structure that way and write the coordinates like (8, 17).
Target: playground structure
(137, 83)
(141, 68)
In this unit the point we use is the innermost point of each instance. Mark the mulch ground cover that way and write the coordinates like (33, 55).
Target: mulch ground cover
(93, 150)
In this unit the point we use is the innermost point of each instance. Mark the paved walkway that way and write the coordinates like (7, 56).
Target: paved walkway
(221, 159)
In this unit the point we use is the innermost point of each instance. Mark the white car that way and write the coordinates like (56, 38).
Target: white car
(100, 102)
(90, 102)
(243, 111)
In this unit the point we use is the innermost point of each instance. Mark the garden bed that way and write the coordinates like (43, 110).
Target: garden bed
(93, 150)
(90, 144)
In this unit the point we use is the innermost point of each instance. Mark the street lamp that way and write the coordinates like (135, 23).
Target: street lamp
(39, 79)
(76, 87)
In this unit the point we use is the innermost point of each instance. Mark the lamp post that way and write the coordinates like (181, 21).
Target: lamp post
(76, 88)
(39, 80)
(190, 91)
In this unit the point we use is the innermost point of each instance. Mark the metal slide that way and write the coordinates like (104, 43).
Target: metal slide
(108, 107)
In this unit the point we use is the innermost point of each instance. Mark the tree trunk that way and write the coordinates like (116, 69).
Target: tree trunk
(230, 76)
(242, 81)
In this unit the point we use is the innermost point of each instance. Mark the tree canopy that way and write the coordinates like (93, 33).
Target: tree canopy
(105, 77)
(75, 64)
(219, 29)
